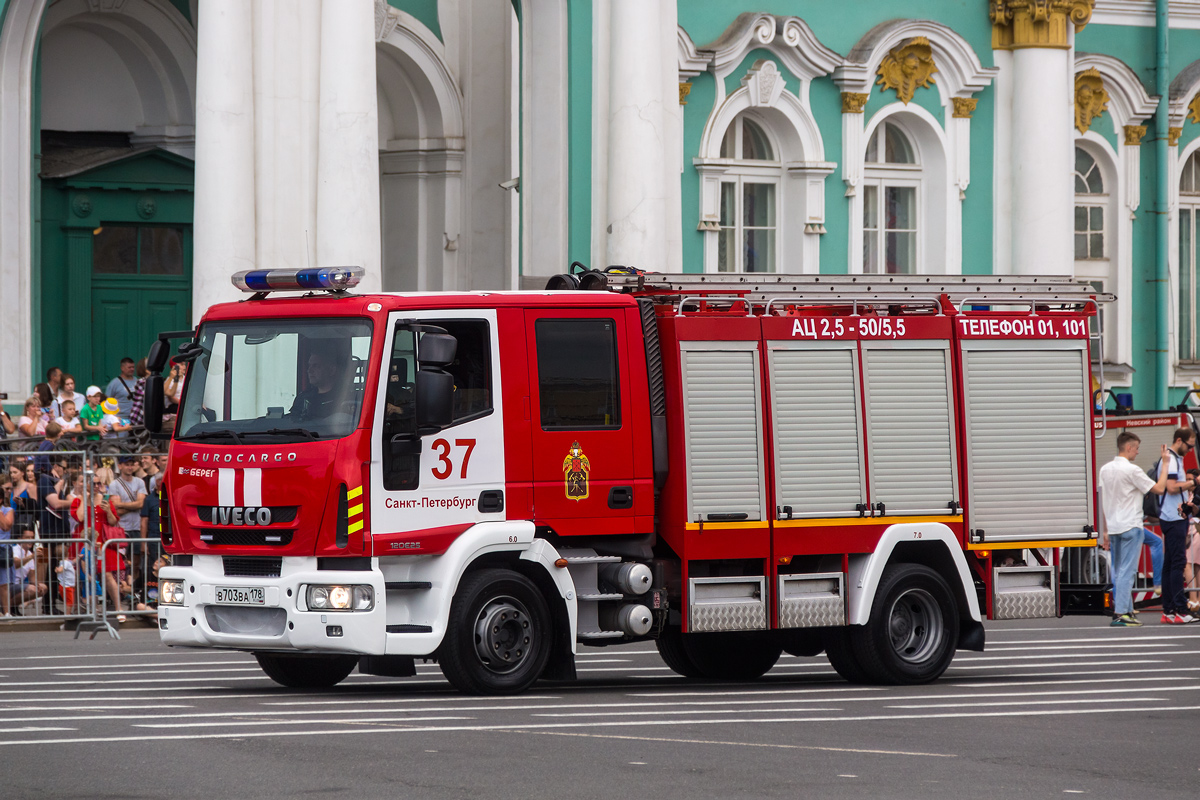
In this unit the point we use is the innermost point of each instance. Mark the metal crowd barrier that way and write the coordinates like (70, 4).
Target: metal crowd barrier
(53, 561)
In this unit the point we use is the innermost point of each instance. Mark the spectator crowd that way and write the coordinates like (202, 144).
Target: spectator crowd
(55, 515)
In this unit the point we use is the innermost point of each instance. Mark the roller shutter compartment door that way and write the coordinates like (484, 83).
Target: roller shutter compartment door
(1028, 442)
(816, 418)
(723, 421)
(910, 427)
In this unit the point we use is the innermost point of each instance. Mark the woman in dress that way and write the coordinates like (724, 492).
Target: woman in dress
(33, 420)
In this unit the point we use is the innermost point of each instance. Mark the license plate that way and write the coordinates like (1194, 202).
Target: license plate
(241, 596)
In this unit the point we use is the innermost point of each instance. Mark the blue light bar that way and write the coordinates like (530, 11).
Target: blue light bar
(293, 280)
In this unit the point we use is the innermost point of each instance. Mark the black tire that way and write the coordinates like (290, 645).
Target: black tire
(912, 634)
(842, 656)
(499, 635)
(804, 642)
(670, 647)
(733, 656)
(306, 672)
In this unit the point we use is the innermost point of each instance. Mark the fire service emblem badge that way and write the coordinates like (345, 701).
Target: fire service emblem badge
(575, 473)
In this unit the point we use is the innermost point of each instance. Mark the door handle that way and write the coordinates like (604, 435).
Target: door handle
(620, 497)
(491, 501)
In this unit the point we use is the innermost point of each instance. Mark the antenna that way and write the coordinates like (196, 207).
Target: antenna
(307, 251)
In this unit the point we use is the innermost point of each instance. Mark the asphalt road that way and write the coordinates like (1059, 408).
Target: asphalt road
(1052, 708)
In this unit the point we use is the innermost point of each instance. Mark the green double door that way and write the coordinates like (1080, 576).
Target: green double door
(141, 286)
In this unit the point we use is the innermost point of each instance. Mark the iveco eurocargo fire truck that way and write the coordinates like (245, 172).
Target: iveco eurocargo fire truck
(729, 466)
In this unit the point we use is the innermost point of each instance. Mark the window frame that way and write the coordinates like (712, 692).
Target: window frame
(615, 387)
(890, 174)
(739, 172)
(1189, 264)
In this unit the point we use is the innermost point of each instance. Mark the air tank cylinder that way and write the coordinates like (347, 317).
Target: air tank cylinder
(630, 577)
(632, 618)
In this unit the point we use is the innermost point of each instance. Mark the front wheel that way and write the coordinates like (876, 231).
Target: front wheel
(912, 634)
(306, 672)
(499, 635)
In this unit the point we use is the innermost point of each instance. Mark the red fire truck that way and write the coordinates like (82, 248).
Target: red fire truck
(730, 466)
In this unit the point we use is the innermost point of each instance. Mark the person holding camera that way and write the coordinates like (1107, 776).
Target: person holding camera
(1173, 521)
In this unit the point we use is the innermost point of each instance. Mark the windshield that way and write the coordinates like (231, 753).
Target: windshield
(277, 380)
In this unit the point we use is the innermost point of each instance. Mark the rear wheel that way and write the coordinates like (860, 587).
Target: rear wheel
(733, 656)
(842, 657)
(670, 647)
(499, 635)
(912, 634)
(306, 672)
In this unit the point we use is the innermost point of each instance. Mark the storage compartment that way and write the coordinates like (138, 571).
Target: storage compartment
(727, 604)
(814, 600)
(1024, 592)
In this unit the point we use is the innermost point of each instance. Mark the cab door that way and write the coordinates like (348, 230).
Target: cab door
(582, 421)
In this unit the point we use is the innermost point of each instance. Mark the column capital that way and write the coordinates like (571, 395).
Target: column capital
(854, 102)
(964, 107)
(1134, 134)
(1036, 23)
(685, 88)
(1173, 135)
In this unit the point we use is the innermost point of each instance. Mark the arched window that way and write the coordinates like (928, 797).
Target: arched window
(1090, 200)
(746, 241)
(891, 189)
(1189, 256)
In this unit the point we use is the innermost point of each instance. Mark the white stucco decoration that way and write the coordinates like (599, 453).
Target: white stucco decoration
(960, 72)
(763, 83)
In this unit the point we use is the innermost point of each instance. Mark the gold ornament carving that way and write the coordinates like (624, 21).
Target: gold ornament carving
(684, 90)
(1134, 134)
(1090, 98)
(1194, 107)
(1173, 135)
(1036, 23)
(964, 107)
(908, 68)
(854, 102)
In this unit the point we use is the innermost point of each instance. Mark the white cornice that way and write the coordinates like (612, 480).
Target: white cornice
(1185, 14)
(691, 61)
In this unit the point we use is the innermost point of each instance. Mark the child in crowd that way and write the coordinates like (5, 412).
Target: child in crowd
(69, 419)
(66, 578)
(25, 586)
(117, 427)
(91, 416)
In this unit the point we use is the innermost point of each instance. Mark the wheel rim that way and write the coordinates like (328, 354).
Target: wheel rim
(504, 634)
(915, 626)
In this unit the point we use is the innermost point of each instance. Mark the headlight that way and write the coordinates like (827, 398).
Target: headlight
(340, 598)
(170, 593)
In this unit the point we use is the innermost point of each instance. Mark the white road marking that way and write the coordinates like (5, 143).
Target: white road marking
(377, 730)
(743, 744)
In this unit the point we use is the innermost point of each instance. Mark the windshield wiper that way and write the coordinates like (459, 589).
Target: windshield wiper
(223, 433)
(290, 432)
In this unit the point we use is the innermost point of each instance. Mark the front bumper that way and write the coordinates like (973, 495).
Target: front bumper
(281, 623)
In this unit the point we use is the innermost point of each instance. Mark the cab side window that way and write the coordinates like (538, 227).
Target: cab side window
(577, 374)
(472, 371)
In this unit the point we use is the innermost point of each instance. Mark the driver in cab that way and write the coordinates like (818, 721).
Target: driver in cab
(326, 385)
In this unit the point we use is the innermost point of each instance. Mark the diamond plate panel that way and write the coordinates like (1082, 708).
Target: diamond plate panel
(812, 612)
(736, 616)
(1032, 604)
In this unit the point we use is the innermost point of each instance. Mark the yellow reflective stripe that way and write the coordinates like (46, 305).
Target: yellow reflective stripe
(355, 527)
(355, 510)
(353, 493)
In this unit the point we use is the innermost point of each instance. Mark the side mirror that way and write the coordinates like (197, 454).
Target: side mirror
(153, 402)
(157, 359)
(436, 349)
(435, 400)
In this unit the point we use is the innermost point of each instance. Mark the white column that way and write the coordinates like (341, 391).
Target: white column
(348, 230)
(224, 221)
(1002, 161)
(637, 137)
(1042, 203)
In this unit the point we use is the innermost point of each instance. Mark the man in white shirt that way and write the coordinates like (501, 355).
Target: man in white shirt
(1123, 484)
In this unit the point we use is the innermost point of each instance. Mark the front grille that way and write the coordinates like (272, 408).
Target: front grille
(252, 566)
(279, 514)
(246, 537)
